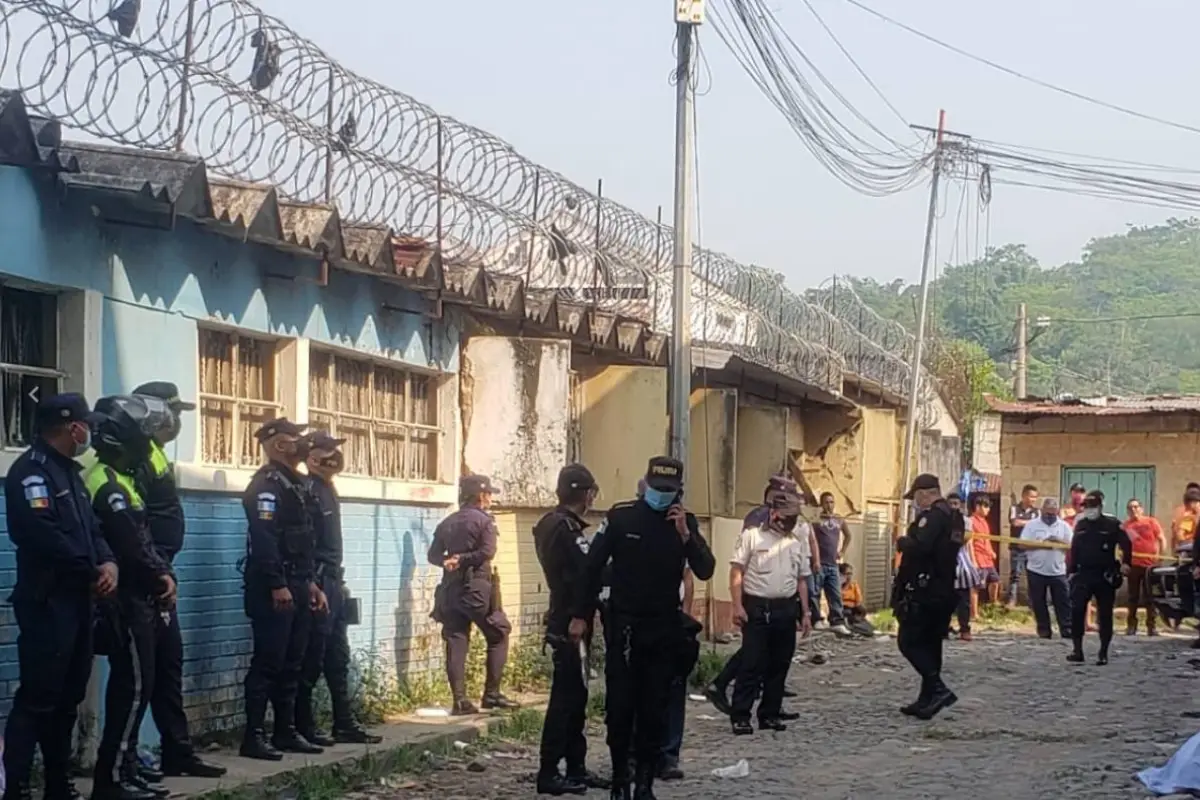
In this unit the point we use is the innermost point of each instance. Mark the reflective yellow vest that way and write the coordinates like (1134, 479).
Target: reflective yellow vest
(96, 476)
(159, 463)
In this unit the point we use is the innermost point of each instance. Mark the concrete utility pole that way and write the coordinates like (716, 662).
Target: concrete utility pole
(914, 388)
(689, 14)
(1021, 377)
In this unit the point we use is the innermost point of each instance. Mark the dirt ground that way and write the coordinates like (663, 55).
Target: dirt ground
(1027, 726)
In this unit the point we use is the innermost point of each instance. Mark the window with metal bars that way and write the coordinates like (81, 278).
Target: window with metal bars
(387, 415)
(28, 359)
(238, 393)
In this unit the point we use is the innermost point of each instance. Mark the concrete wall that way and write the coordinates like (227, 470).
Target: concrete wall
(131, 301)
(515, 413)
(985, 449)
(942, 456)
(761, 451)
(832, 456)
(1036, 451)
(623, 424)
(711, 472)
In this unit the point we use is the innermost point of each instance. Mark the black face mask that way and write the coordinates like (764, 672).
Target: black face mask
(786, 524)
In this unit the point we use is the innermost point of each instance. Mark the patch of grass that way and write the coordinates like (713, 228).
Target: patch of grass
(595, 706)
(883, 621)
(1002, 617)
(710, 663)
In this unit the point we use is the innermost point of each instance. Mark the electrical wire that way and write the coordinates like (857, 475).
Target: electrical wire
(1021, 75)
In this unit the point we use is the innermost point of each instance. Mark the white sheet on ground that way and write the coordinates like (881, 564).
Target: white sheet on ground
(1180, 774)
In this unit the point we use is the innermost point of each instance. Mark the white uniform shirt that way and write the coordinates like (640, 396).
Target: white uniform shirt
(1042, 561)
(773, 563)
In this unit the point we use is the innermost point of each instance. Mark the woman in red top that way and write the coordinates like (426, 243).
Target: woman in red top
(1148, 541)
(981, 551)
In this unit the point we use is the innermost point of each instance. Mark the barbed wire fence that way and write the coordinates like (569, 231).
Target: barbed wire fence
(258, 102)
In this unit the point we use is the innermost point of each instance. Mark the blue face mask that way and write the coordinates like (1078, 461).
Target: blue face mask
(659, 501)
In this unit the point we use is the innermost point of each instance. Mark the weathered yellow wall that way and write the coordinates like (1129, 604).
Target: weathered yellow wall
(761, 452)
(883, 445)
(522, 586)
(623, 424)
(712, 453)
(1036, 452)
(832, 460)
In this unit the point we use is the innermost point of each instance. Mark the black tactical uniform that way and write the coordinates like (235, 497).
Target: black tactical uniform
(643, 632)
(164, 509)
(328, 650)
(278, 556)
(59, 553)
(562, 546)
(923, 595)
(122, 443)
(467, 595)
(1095, 573)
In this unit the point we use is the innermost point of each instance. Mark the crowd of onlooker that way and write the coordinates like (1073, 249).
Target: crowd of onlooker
(1044, 567)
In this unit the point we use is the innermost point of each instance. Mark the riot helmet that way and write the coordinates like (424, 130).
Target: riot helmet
(122, 433)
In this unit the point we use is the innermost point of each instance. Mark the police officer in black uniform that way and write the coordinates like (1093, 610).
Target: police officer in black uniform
(464, 545)
(164, 509)
(63, 562)
(648, 540)
(1095, 573)
(280, 591)
(923, 595)
(121, 438)
(328, 650)
(562, 546)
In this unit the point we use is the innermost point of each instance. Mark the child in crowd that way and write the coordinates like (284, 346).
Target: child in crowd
(852, 603)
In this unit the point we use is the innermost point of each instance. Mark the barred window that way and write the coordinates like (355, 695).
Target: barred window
(238, 393)
(388, 416)
(28, 359)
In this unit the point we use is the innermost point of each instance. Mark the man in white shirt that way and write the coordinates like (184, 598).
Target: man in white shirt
(1047, 569)
(769, 565)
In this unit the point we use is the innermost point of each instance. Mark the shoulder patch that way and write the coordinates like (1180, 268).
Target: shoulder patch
(36, 493)
(602, 527)
(30, 480)
(116, 501)
(266, 506)
(623, 504)
(921, 522)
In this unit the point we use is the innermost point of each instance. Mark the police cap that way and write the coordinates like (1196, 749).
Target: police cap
(279, 427)
(471, 485)
(323, 440)
(1078, 487)
(60, 409)
(923, 482)
(167, 391)
(665, 474)
(574, 477)
(781, 483)
(787, 503)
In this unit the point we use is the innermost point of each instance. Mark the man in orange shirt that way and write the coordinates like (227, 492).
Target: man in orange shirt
(1148, 542)
(1072, 510)
(981, 550)
(1183, 521)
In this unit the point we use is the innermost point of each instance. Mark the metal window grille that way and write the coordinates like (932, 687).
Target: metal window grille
(238, 393)
(28, 359)
(388, 416)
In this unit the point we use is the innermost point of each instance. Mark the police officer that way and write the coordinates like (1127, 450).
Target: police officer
(328, 650)
(464, 545)
(62, 563)
(768, 569)
(121, 440)
(164, 510)
(1095, 573)
(923, 595)
(648, 541)
(280, 592)
(562, 546)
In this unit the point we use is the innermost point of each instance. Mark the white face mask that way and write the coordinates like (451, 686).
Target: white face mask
(1090, 513)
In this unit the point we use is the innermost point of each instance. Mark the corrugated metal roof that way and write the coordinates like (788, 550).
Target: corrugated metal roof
(1098, 406)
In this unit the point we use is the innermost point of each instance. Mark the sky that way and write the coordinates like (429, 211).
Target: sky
(583, 88)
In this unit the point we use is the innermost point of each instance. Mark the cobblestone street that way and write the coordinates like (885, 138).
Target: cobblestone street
(1027, 726)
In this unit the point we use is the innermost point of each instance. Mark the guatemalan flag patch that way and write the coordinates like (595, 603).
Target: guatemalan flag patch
(266, 506)
(36, 493)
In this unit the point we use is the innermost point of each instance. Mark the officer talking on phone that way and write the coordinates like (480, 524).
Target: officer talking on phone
(648, 541)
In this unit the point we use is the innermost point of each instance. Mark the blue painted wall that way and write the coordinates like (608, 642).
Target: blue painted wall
(156, 286)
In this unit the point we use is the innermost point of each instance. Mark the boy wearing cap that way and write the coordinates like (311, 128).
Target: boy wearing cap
(464, 545)
(562, 549)
(280, 592)
(648, 541)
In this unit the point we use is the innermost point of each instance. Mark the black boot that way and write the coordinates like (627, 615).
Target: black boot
(1102, 657)
(131, 778)
(286, 738)
(719, 697)
(463, 708)
(555, 785)
(498, 702)
(256, 746)
(588, 778)
(191, 765)
(940, 698)
(910, 710)
(644, 784)
(353, 733)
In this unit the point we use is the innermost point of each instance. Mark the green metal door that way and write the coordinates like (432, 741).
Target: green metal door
(1119, 484)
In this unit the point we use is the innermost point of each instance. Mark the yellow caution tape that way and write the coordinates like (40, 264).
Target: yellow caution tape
(1029, 544)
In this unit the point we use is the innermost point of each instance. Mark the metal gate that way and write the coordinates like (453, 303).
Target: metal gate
(1119, 484)
(877, 559)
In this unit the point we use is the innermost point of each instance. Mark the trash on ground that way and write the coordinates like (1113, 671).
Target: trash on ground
(739, 770)
(432, 712)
